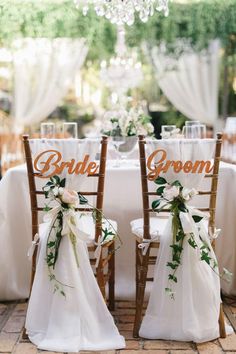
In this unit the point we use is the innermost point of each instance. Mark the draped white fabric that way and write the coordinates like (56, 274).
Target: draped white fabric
(191, 81)
(81, 320)
(43, 71)
(193, 314)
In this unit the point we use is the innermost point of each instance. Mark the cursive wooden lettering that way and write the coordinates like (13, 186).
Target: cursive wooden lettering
(49, 163)
(157, 163)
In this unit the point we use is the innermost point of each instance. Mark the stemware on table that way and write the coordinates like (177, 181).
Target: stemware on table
(70, 130)
(47, 130)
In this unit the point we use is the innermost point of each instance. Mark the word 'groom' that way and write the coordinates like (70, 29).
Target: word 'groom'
(49, 163)
(157, 163)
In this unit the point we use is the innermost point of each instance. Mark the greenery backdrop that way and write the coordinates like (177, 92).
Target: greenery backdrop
(197, 21)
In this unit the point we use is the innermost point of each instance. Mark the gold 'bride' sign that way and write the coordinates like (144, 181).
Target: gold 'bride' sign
(157, 163)
(49, 163)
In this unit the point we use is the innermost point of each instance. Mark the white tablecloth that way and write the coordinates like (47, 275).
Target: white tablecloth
(123, 203)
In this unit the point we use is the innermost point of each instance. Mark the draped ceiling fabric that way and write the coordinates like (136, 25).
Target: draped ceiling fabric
(43, 71)
(191, 81)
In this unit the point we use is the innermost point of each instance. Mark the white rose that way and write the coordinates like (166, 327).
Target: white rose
(150, 128)
(55, 191)
(170, 192)
(69, 197)
(61, 191)
(187, 193)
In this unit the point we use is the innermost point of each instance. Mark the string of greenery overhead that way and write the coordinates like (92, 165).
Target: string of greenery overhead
(198, 21)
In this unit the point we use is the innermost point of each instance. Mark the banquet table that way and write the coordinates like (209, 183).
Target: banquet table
(122, 203)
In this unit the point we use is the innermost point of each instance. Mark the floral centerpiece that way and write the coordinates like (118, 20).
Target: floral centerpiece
(127, 123)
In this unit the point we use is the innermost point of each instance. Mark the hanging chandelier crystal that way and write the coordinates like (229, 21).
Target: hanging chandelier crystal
(123, 11)
(124, 71)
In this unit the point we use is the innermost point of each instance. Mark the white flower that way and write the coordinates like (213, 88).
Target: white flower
(69, 197)
(60, 191)
(141, 130)
(150, 128)
(170, 192)
(188, 193)
(55, 191)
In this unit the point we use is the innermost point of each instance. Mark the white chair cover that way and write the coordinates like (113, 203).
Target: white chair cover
(81, 321)
(193, 314)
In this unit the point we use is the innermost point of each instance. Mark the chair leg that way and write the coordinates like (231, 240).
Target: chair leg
(142, 278)
(111, 284)
(24, 334)
(222, 323)
(137, 264)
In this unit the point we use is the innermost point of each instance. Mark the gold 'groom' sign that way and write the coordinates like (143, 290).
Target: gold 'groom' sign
(157, 163)
(49, 163)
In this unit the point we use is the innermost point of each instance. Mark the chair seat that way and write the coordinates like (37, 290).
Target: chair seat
(157, 226)
(87, 225)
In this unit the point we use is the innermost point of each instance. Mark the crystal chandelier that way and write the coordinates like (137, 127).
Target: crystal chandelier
(123, 72)
(123, 11)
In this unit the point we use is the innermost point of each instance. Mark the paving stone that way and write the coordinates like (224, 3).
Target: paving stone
(25, 348)
(2, 309)
(14, 324)
(228, 343)
(133, 344)
(209, 348)
(127, 334)
(96, 352)
(7, 342)
(20, 309)
(166, 344)
(144, 352)
(125, 304)
(125, 326)
(188, 351)
(126, 319)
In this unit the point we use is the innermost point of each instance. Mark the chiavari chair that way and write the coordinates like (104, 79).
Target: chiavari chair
(149, 224)
(105, 271)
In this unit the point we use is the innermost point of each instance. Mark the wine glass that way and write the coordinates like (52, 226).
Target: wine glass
(191, 132)
(70, 130)
(166, 131)
(47, 130)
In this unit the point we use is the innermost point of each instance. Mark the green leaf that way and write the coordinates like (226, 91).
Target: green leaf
(50, 244)
(197, 218)
(205, 257)
(155, 204)
(177, 248)
(160, 180)
(172, 265)
(172, 277)
(63, 183)
(47, 208)
(192, 242)
(160, 190)
(182, 208)
(82, 199)
(55, 179)
(176, 183)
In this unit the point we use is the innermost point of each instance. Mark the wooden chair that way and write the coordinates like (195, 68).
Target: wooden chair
(105, 272)
(144, 261)
(11, 153)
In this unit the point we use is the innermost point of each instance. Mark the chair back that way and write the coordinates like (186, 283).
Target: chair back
(33, 147)
(211, 150)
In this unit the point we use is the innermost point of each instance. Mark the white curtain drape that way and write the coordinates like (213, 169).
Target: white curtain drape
(191, 81)
(43, 71)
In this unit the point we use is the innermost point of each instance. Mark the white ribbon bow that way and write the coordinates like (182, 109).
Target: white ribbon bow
(34, 243)
(215, 234)
(187, 221)
(69, 224)
(146, 243)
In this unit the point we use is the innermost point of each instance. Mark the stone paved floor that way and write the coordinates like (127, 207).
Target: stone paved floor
(12, 317)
